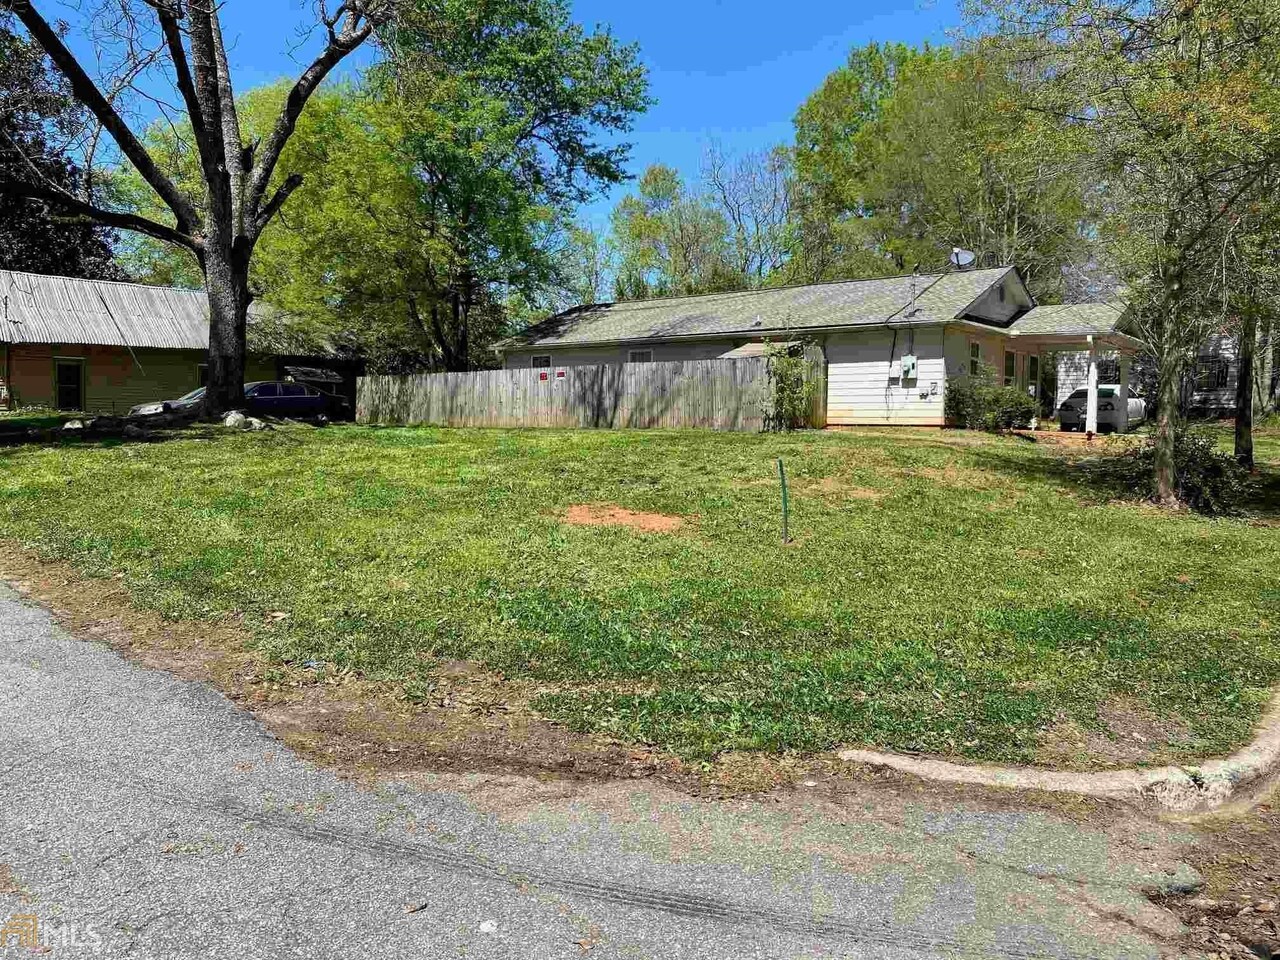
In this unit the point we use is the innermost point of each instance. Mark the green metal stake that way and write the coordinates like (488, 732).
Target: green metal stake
(786, 502)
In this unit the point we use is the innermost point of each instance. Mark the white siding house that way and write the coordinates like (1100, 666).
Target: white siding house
(891, 345)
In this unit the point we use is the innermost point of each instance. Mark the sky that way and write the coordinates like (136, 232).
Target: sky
(733, 72)
(730, 72)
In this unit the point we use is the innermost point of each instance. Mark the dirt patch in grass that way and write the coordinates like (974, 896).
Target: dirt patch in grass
(1075, 438)
(1131, 736)
(611, 515)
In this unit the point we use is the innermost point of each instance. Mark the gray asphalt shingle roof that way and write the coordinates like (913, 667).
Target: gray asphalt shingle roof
(938, 298)
(1070, 320)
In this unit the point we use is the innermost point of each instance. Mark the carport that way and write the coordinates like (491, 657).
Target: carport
(1092, 327)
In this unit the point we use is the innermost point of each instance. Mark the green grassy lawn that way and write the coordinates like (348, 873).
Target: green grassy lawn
(946, 592)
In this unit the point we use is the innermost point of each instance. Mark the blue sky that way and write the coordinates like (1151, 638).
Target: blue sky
(734, 71)
(726, 71)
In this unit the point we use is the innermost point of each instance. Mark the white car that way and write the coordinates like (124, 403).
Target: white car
(1074, 409)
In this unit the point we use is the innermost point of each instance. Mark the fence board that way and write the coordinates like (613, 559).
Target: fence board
(713, 394)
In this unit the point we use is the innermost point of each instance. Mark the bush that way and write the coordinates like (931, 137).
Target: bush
(981, 402)
(791, 388)
(1209, 481)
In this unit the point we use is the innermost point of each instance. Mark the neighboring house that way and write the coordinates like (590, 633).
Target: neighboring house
(891, 345)
(1210, 388)
(1212, 383)
(101, 346)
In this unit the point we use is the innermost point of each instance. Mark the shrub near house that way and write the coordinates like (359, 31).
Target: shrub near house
(980, 402)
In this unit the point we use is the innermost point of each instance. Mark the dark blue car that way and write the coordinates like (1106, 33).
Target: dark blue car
(285, 398)
(264, 398)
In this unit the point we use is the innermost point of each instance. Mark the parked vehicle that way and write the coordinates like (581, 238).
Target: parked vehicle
(182, 404)
(262, 398)
(286, 398)
(1074, 410)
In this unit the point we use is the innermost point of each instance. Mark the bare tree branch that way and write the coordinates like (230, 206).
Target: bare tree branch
(168, 17)
(355, 29)
(232, 144)
(272, 206)
(88, 94)
(110, 218)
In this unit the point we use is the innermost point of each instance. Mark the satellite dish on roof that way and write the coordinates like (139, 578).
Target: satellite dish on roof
(962, 258)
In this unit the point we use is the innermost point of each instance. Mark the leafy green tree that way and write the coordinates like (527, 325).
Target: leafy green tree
(836, 234)
(1181, 102)
(588, 264)
(903, 154)
(37, 117)
(957, 158)
(221, 219)
(671, 241)
(436, 199)
(1251, 282)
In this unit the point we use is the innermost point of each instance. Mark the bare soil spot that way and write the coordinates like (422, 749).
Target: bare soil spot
(1075, 439)
(1134, 736)
(958, 477)
(611, 515)
(1237, 914)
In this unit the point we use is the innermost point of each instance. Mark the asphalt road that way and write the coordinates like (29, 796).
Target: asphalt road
(146, 816)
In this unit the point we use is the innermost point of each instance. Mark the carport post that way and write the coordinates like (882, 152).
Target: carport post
(1122, 426)
(1091, 415)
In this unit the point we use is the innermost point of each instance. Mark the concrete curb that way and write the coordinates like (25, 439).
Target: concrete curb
(1183, 789)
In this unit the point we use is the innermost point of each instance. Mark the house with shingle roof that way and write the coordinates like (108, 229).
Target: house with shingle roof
(890, 344)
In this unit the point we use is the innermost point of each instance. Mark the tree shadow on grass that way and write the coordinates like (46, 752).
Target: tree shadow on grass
(1107, 476)
(12, 440)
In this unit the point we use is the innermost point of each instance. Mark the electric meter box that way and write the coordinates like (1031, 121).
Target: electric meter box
(908, 366)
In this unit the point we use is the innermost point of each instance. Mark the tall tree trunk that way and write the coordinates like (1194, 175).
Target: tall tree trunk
(227, 287)
(1268, 346)
(1168, 415)
(1244, 387)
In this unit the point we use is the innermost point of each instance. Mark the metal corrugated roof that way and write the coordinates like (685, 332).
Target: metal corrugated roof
(42, 309)
(1070, 320)
(35, 308)
(938, 298)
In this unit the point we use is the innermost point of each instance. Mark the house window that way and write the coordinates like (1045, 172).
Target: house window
(1212, 373)
(639, 356)
(202, 374)
(1010, 368)
(1033, 375)
(540, 360)
(975, 359)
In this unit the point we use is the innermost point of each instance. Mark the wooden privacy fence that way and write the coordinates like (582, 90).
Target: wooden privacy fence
(713, 394)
